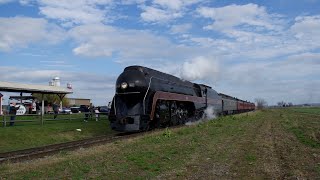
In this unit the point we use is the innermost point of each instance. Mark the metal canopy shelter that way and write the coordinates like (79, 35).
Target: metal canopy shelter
(31, 88)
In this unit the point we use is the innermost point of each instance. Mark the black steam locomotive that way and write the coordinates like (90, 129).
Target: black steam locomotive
(147, 99)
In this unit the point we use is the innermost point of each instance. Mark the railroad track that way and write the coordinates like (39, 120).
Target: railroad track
(32, 153)
(38, 152)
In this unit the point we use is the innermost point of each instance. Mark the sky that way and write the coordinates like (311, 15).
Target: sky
(247, 49)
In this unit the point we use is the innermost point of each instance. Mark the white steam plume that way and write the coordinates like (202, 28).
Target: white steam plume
(199, 68)
(209, 114)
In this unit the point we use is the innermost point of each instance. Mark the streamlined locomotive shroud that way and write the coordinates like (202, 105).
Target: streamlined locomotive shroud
(146, 99)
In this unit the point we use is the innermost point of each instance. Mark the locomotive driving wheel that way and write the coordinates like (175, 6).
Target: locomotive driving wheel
(180, 114)
(170, 113)
(162, 114)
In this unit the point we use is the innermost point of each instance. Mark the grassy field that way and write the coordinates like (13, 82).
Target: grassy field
(310, 110)
(31, 134)
(268, 144)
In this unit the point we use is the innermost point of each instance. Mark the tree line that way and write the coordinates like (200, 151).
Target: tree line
(52, 99)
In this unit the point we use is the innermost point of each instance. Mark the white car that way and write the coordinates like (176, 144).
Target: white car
(65, 110)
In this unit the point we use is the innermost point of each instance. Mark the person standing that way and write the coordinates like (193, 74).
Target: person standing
(55, 110)
(38, 108)
(96, 112)
(34, 107)
(91, 110)
(13, 111)
(86, 113)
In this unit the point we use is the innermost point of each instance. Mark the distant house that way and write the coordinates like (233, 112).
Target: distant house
(78, 101)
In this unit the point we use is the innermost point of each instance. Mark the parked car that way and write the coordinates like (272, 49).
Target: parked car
(65, 110)
(104, 109)
(83, 108)
(75, 109)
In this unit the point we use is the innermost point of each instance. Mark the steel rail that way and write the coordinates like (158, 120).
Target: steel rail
(38, 152)
(32, 153)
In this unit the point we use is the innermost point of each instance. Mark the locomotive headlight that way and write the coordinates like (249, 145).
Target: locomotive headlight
(124, 85)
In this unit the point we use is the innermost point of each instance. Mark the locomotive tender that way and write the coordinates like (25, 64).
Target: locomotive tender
(147, 99)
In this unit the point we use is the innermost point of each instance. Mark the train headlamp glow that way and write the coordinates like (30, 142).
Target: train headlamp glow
(124, 85)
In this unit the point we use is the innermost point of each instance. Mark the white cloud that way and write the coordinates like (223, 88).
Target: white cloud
(302, 36)
(59, 64)
(130, 2)
(5, 1)
(232, 16)
(70, 12)
(291, 79)
(306, 27)
(128, 45)
(21, 31)
(162, 11)
(27, 75)
(175, 4)
(26, 2)
(200, 68)
(180, 28)
(305, 58)
(152, 14)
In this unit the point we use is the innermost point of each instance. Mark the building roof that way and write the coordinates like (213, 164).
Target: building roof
(31, 88)
(22, 97)
(78, 98)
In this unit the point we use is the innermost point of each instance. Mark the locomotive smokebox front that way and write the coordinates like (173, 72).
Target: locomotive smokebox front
(131, 81)
(127, 112)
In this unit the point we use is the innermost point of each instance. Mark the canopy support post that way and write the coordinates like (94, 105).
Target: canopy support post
(42, 108)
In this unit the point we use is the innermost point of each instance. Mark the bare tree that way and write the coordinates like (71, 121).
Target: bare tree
(261, 103)
(281, 104)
